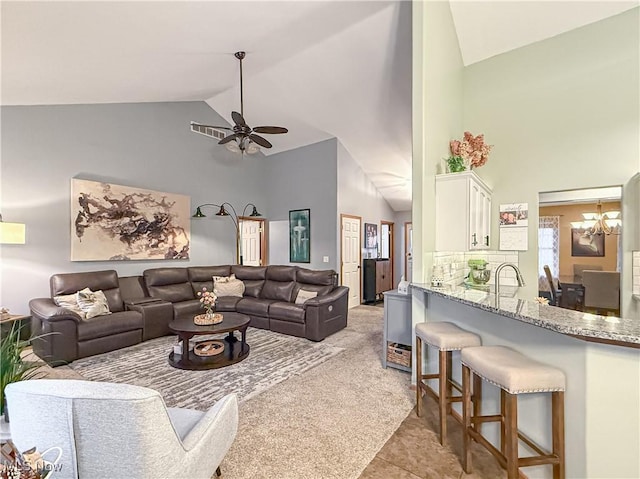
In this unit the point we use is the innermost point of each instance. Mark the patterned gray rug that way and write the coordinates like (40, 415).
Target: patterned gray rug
(273, 358)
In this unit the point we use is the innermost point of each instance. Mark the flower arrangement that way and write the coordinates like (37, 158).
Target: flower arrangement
(542, 300)
(207, 300)
(471, 152)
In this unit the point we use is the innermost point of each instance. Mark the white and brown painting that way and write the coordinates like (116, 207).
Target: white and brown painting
(113, 222)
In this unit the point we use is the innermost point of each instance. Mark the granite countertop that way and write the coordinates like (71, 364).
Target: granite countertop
(606, 329)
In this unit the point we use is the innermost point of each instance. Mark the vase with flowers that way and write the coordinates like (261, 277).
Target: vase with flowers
(468, 153)
(208, 302)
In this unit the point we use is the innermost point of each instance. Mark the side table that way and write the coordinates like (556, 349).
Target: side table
(7, 321)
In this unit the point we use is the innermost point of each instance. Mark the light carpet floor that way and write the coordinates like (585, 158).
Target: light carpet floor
(273, 358)
(326, 423)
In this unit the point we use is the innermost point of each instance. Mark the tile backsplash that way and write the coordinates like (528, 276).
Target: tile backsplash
(456, 268)
(636, 272)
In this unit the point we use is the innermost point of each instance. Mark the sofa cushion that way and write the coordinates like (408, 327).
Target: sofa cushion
(255, 306)
(282, 273)
(227, 303)
(252, 288)
(70, 302)
(316, 288)
(99, 327)
(202, 276)
(170, 284)
(249, 272)
(106, 281)
(278, 290)
(287, 312)
(187, 308)
(325, 277)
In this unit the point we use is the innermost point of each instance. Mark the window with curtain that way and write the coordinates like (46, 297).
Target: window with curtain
(549, 244)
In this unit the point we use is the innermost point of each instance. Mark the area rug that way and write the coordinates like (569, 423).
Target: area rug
(273, 358)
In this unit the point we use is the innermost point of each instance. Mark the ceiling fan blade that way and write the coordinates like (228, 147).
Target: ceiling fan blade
(260, 141)
(227, 139)
(271, 130)
(211, 126)
(237, 118)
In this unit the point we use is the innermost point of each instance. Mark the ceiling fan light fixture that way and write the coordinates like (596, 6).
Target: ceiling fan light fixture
(233, 147)
(252, 148)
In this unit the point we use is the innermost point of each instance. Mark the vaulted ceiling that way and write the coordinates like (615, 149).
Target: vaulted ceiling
(321, 68)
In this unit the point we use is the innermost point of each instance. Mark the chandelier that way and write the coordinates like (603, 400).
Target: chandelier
(599, 223)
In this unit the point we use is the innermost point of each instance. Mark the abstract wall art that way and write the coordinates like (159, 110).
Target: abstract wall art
(113, 222)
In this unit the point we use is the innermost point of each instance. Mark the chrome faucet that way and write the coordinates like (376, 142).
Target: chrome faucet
(497, 275)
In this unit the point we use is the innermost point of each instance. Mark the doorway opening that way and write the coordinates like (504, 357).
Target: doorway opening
(253, 241)
(387, 248)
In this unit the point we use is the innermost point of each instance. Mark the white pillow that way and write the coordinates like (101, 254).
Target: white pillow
(70, 302)
(92, 303)
(230, 287)
(304, 296)
(223, 279)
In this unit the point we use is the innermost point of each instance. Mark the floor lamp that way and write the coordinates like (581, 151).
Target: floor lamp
(231, 213)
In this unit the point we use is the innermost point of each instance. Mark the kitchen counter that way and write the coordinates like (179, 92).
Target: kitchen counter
(600, 357)
(590, 327)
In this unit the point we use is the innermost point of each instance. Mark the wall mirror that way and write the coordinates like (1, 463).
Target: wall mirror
(580, 249)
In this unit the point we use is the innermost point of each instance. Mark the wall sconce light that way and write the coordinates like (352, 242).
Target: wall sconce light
(12, 233)
(234, 217)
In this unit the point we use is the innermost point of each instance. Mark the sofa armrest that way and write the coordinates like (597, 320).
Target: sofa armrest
(46, 310)
(333, 296)
(219, 424)
(324, 315)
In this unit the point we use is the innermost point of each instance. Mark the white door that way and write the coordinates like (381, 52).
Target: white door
(350, 254)
(251, 241)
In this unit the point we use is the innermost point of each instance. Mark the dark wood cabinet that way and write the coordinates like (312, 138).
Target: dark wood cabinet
(376, 278)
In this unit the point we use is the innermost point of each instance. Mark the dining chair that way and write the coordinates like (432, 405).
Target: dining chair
(579, 268)
(555, 293)
(602, 291)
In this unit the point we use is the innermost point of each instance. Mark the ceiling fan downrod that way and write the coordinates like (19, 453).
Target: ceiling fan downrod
(240, 56)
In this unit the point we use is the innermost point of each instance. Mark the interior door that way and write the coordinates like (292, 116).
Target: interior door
(251, 242)
(350, 232)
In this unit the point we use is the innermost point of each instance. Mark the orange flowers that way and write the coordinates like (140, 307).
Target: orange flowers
(472, 150)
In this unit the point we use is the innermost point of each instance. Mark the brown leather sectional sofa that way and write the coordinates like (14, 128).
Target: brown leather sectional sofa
(143, 306)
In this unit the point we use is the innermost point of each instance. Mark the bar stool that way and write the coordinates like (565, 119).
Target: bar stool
(514, 374)
(447, 337)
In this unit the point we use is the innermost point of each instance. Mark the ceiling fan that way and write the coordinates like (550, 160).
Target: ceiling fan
(243, 138)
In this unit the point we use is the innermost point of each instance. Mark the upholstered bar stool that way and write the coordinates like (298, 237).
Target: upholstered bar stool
(514, 374)
(447, 337)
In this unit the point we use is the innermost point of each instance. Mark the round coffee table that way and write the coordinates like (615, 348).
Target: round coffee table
(234, 350)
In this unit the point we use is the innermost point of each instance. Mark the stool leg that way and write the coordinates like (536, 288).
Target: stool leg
(503, 440)
(476, 400)
(418, 376)
(466, 419)
(557, 428)
(511, 431)
(449, 380)
(443, 399)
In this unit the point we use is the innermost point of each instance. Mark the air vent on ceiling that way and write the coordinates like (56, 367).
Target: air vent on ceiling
(207, 131)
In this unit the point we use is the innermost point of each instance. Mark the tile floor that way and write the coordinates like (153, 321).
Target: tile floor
(414, 452)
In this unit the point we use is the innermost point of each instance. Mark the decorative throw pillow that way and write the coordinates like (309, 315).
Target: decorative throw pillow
(92, 303)
(304, 296)
(70, 302)
(223, 279)
(232, 287)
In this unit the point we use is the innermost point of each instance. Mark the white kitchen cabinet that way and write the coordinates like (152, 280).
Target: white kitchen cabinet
(463, 212)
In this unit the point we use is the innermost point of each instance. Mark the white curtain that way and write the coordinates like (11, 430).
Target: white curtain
(549, 244)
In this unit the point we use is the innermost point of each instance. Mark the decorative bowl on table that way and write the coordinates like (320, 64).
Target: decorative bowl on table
(207, 319)
(208, 348)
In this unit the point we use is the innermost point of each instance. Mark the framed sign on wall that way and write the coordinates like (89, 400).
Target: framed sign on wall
(300, 236)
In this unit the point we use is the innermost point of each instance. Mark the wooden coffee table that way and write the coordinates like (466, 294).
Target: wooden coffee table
(234, 350)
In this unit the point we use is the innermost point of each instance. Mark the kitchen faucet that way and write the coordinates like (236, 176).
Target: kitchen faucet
(497, 275)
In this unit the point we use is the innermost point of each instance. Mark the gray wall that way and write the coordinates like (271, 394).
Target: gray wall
(147, 145)
(298, 179)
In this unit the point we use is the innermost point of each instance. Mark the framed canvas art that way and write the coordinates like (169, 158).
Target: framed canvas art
(586, 245)
(300, 236)
(113, 222)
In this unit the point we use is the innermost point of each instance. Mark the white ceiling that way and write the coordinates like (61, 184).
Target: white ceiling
(320, 68)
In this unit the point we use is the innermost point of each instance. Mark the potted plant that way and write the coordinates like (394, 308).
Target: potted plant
(13, 367)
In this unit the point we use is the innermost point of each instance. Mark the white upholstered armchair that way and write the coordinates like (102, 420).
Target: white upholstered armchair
(118, 431)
